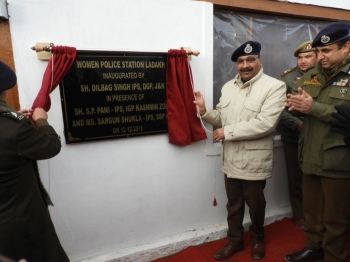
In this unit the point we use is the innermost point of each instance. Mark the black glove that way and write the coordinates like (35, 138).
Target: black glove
(342, 125)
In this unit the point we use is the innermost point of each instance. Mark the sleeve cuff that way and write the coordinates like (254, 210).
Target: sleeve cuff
(314, 108)
(228, 132)
(41, 122)
(202, 116)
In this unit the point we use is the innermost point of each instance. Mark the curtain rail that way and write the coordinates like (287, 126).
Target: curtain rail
(49, 49)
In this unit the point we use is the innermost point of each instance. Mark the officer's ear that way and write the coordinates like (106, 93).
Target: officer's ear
(346, 47)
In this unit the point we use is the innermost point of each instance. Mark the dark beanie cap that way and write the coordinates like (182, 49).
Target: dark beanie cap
(332, 34)
(8, 78)
(248, 48)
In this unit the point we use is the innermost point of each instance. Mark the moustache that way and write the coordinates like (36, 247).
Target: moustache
(249, 69)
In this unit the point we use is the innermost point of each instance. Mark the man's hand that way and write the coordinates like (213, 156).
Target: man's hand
(25, 112)
(200, 105)
(301, 102)
(39, 113)
(342, 123)
(218, 134)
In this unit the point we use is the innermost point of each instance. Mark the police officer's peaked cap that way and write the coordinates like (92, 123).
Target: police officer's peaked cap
(332, 34)
(304, 48)
(248, 48)
(7, 77)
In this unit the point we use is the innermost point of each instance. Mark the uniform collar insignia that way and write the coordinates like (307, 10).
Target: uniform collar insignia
(314, 81)
(18, 116)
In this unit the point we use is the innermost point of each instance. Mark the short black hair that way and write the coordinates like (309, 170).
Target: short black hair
(343, 42)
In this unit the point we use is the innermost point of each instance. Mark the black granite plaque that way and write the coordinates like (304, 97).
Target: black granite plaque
(113, 95)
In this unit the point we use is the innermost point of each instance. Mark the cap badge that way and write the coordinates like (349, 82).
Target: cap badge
(248, 49)
(325, 39)
(308, 47)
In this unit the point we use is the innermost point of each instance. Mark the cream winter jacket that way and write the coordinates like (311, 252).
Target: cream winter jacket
(249, 114)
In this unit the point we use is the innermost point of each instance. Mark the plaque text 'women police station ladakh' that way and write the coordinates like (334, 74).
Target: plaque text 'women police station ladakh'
(114, 94)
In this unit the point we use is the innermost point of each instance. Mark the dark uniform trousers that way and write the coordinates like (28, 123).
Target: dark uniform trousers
(238, 193)
(326, 210)
(295, 179)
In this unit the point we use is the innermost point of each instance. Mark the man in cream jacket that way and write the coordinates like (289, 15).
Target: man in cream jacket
(247, 114)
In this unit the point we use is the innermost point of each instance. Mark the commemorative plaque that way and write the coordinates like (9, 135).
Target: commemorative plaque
(108, 95)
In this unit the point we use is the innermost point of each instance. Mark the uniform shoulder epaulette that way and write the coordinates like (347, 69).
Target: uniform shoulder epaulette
(13, 115)
(288, 71)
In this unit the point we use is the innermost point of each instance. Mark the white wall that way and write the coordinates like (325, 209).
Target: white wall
(341, 4)
(124, 193)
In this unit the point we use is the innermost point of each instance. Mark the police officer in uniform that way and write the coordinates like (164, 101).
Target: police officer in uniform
(26, 229)
(323, 154)
(290, 127)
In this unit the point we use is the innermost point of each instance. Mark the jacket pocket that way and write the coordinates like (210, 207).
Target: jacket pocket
(336, 156)
(257, 156)
(253, 105)
(313, 91)
(223, 106)
(250, 110)
(340, 92)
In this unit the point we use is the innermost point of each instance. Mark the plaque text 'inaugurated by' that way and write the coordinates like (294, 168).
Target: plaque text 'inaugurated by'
(114, 94)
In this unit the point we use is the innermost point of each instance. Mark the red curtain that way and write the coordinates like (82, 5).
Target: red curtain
(62, 59)
(184, 126)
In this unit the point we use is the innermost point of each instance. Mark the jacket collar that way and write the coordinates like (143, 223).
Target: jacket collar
(343, 66)
(5, 108)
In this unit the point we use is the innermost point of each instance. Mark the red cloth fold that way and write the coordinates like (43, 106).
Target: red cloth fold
(62, 59)
(184, 126)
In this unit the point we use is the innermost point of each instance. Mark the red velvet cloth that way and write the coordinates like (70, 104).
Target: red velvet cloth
(281, 238)
(184, 126)
(62, 59)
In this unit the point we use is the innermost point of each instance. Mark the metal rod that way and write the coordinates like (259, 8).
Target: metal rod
(49, 49)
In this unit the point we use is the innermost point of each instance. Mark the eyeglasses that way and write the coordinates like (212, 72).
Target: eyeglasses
(249, 60)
